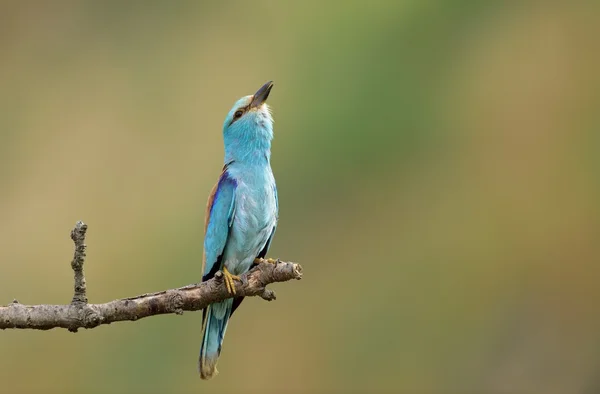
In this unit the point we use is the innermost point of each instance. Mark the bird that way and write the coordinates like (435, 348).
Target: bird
(241, 214)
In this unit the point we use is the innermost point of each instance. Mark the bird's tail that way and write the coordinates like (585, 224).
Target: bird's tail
(214, 324)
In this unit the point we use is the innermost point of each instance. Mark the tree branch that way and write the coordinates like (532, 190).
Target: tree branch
(80, 314)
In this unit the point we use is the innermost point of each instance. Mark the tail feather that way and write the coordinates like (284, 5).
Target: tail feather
(214, 326)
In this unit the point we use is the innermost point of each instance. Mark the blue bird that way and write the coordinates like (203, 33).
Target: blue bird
(241, 214)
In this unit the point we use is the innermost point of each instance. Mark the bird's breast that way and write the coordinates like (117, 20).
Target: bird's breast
(254, 219)
(255, 207)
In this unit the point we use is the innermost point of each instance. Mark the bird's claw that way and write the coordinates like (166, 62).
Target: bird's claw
(228, 277)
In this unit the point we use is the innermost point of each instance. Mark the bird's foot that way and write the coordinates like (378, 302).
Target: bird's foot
(229, 280)
(269, 260)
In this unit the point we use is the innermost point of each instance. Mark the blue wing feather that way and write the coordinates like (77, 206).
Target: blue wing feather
(220, 214)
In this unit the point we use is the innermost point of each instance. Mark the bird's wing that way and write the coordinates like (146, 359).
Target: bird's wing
(276, 201)
(220, 211)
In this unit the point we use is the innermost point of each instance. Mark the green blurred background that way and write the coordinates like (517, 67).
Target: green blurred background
(438, 172)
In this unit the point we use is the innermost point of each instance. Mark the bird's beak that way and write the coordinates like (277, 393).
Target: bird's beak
(261, 95)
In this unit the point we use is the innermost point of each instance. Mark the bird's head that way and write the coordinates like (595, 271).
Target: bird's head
(248, 127)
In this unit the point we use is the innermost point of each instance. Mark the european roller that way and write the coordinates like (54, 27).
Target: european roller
(241, 214)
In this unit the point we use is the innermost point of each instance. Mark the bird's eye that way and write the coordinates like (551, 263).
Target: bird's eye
(238, 114)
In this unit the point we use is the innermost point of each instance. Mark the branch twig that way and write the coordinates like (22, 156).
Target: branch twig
(78, 237)
(80, 314)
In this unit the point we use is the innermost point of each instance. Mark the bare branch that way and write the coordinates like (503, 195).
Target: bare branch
(80, 314)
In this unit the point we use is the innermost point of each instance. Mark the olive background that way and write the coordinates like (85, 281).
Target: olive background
(438, 174)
